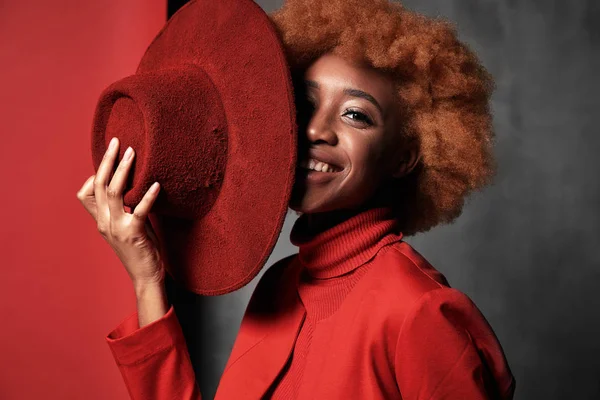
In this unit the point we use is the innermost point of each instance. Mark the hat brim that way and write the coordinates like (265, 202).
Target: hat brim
(236, 45)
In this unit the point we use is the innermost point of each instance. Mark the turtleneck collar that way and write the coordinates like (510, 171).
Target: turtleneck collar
(345, 246)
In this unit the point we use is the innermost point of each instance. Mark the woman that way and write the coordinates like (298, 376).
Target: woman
(395, 131)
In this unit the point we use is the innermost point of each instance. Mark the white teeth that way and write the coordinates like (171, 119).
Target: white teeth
(317, 165)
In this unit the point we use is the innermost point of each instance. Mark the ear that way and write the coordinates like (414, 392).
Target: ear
(407, 160)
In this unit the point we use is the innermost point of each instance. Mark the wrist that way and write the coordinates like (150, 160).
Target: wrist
(152, 303)
(145, 287)
(148, 284)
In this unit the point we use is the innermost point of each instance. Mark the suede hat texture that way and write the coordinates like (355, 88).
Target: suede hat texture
(210, 113)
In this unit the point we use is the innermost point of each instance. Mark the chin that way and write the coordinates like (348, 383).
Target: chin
(307, 201)
(305, 208)
(304, 205)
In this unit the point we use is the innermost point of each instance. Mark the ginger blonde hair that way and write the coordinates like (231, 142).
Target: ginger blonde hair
(443, 88)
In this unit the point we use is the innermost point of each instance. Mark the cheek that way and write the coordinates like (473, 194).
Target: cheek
(366, 171)
(365, 156)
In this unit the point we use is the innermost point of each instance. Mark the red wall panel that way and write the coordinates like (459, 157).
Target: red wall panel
(62, 288)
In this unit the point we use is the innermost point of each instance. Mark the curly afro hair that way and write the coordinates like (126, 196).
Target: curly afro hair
(444, 94)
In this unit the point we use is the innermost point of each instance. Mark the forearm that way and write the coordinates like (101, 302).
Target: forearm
(153, 358)
(151, 301)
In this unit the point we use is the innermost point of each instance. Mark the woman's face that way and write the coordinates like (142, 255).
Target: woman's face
(348, 136)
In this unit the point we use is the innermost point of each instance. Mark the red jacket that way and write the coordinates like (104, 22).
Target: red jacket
(400, 332)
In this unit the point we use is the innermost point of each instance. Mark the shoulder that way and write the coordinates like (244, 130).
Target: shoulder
(426, 293)
(446, 339)
(277, 271)
(425, 302)
(400, 272)
(451, 312)
(441, 336)
(275, 283)
(395, 279)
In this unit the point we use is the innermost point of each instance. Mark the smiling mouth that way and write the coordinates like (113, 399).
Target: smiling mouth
(318, 166)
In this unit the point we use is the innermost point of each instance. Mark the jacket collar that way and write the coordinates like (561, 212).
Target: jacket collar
(345, 246)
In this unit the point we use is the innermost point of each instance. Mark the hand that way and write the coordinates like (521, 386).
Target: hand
(130, 235)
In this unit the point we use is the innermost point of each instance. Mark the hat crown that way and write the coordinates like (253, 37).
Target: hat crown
(152, 112)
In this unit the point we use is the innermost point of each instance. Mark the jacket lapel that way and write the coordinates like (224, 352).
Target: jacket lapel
(266, 338)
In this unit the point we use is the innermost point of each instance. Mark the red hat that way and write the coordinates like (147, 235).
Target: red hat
(210, 114)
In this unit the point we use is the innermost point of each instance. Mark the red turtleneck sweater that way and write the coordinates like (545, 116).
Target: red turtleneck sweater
(356, 314)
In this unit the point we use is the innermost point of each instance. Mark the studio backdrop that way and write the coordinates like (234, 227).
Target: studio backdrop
(525, 249)
(62, 288)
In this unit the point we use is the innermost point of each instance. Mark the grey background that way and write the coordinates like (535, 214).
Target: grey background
(526, 249)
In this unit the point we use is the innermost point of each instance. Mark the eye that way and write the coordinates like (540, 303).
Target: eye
(358, 116)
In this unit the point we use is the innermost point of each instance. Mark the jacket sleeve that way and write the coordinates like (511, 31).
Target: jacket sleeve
(154, 360)
(447, 350)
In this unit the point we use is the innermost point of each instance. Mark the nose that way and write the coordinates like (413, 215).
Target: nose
(320, 128)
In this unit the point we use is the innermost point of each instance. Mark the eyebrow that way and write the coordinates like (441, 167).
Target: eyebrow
(351, 92)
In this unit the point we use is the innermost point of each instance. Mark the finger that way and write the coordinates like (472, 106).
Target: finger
(86, 196)
(107, 163)
(141, 211)
(102, 177)
(114, 192)
(87, 189)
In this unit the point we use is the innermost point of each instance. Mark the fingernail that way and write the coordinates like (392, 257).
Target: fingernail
(128, 154)
(113, 143)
